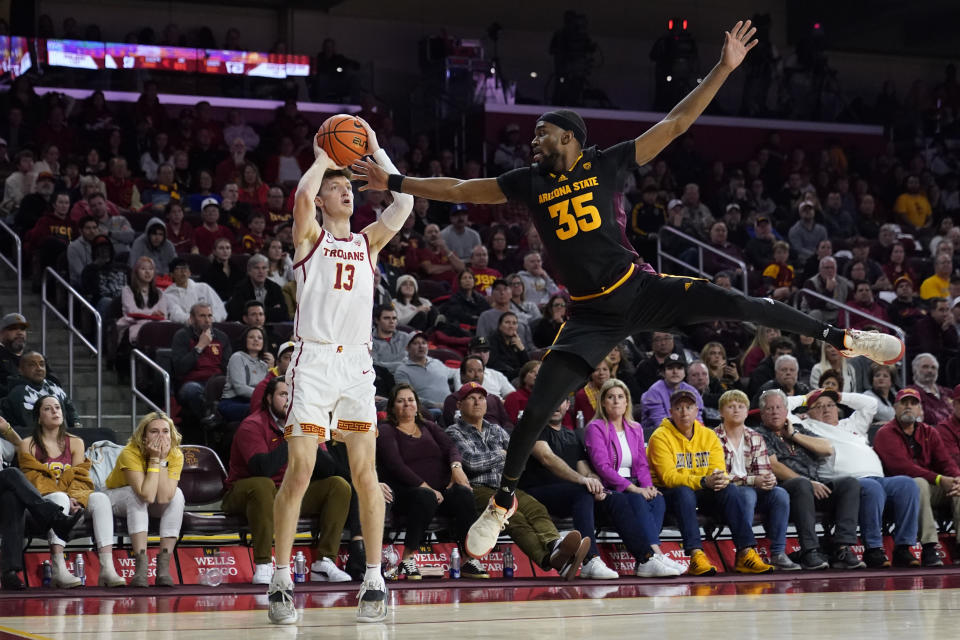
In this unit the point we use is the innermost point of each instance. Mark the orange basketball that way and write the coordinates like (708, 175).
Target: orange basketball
(344, 139)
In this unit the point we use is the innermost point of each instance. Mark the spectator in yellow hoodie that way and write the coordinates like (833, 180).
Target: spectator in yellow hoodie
(687, 464)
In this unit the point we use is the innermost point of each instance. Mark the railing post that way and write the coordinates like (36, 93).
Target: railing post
(43, 313)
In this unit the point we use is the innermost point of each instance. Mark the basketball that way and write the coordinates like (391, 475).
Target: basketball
(344, 139)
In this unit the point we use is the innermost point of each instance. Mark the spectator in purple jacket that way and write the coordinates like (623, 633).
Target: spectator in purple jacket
(424, 469)
(617, 453)
(656, 400)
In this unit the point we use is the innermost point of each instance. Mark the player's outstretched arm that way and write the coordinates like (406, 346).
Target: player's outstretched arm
(392, 218)
(305, 225)
(737, 42)
(476, 191)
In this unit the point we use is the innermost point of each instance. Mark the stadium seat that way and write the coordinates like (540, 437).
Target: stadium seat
(234, 331)
(431, 289)
(198, 264)
(201, 482)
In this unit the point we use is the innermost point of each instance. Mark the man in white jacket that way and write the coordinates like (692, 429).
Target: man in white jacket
(184, 293)
(853, 456)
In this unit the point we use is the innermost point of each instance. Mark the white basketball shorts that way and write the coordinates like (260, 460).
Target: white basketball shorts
(331, 387)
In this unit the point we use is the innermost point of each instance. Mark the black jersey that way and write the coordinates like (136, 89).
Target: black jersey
(580, 216)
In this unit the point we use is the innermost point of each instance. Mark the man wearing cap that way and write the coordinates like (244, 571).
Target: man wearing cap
(676, 218)
(429, 377)
(472, 369)
(656, 399)
(284, 355)
(949, 430)
(13, 339)
(206, 234)
(493, 381)
(687, 464)
(910, 445)
(483, 446)
(853, 457)
(759, 249)
(500, 302)
(258, 460)
(904, 310)
(458, 237)
(778, 275)
(806, 233)
(184, 293)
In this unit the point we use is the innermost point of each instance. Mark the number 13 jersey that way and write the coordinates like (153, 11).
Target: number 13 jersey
(580, 216)
(335, 291)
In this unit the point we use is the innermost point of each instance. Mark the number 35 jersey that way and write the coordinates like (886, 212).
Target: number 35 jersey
(335, 291)
(580, 216)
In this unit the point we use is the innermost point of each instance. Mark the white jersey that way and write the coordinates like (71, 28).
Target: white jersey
(335, 291)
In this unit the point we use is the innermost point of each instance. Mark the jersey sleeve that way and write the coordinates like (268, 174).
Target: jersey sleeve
(620, 159)
(516, 185)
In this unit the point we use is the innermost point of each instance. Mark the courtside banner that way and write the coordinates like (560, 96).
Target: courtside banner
(235, 563)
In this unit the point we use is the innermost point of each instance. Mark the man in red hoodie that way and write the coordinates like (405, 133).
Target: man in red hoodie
(907, 446)
(949, 429)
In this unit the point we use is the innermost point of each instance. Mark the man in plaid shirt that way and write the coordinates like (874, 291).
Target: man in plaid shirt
(483, 446)
(749, 467)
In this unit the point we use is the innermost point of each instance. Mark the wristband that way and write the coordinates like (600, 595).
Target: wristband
(153, 469)
(395, 182)
(937, 481)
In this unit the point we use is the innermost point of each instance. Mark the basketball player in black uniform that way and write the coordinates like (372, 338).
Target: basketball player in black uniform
(575, 195)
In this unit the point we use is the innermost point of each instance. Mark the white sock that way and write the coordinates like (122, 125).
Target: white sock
(281, 577)
(56, 559)
(373, 574)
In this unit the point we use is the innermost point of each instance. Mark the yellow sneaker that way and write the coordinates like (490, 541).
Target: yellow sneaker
(700, 564)
(749, 561)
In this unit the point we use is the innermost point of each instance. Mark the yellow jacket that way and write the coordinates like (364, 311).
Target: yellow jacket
(678, 462)
(74, 481)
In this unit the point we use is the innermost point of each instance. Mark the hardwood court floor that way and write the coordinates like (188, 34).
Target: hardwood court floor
(911, 607)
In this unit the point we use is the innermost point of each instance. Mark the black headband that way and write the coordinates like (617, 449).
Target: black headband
(567, 123)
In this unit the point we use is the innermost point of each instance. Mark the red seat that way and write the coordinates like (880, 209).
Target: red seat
(156, 335)
(202, 482)
(234, 331)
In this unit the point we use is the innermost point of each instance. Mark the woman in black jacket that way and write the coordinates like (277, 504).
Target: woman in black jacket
(507, 353)
(466, 305)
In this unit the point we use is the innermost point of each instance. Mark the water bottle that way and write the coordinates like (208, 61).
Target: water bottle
(579, 419)
(46, 573)
(508, 563)
(79, 570)
(299, 567)
(455, 564)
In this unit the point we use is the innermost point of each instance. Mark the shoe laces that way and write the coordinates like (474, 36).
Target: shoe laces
(410, 566)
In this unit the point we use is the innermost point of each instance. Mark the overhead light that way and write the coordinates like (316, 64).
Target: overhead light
(533, 74)
(339, 69)
(669, 78)
(699, 80)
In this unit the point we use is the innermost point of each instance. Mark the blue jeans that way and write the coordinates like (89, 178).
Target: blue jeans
(905, 496)
(636, 519)
(569, 500)
(727, 503)
(775, 505)
(234, 409)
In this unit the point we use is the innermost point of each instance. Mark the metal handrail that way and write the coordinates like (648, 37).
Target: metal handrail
(135, 393)
(18, 267)
(73, 330)
(701, 245)
(846, 307)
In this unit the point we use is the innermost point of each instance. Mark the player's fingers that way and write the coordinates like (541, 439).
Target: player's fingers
(752, 44)
(744, 27)
(736, 27)
(748, 34)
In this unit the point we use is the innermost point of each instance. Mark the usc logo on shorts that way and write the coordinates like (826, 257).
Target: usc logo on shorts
(354, 425)
(306, 429)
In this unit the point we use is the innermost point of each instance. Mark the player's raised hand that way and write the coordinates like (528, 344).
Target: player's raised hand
(737, 42)
(320, 156)
(372, 145)
(369, 172)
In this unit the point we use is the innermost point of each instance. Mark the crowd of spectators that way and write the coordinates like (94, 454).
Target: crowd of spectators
(184, 217)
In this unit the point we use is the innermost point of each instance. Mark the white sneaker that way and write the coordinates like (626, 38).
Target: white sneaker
(282, 609)
(483, 534)
(879, 347)
(673, 564)
(262, 574)
(595, 569)
(325, 570)
(655, 568)
(372, 605)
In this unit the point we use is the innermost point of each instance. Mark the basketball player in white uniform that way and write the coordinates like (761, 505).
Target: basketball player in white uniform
(331, 373)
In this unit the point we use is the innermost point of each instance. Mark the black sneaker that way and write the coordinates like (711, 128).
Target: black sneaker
(876, 558)
(930, 556)
(473, 569)
(845, 558)
(407, 569)
(813, 560)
